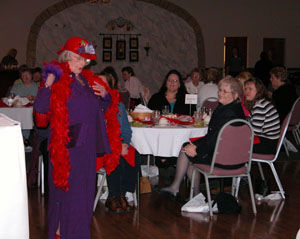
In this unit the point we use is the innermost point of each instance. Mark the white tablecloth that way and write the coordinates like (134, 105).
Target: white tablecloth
(14, 221)
(163, 141)
(20, 114)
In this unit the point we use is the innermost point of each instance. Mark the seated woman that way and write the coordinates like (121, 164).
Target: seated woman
(242, 77)
(263, 117)
(210, 88)
(121, 169)
(172, 94)
(230, 93)
(27, 88)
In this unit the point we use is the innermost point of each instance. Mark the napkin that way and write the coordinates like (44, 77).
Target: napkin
(142, 109)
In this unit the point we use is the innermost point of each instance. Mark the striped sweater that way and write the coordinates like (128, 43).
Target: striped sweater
(265, 120)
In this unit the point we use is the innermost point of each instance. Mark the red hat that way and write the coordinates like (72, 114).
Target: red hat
(80, 47)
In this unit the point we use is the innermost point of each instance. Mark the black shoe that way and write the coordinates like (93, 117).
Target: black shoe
(173, 196)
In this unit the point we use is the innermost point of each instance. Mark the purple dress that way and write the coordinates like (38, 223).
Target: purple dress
(72, 210)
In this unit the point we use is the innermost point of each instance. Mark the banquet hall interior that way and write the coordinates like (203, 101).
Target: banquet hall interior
(153, 37)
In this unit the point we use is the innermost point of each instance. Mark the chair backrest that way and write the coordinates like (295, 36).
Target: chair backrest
(283, 130)
(234, 144)
(295, 111)
(210, 103)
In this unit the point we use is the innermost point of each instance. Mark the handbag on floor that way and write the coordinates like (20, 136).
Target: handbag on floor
(145, 186)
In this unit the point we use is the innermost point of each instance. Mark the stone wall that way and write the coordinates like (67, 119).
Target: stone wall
(174, 36)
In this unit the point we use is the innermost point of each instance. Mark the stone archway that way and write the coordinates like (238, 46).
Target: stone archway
(58, 7)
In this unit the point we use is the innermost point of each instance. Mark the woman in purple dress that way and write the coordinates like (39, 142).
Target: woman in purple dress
(76, 116)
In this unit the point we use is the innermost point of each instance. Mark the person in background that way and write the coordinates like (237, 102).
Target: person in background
(284, 94)
(172, 94)
(262, 68)
(121, 166)
(9, 61)
(133, 86)
(73, 100)
(37, 75)
(27, 88)
(210, 88)
(124, 94)
(263, 117)
(196, 82)
(230, 93)
(242, 77)
(234, 64)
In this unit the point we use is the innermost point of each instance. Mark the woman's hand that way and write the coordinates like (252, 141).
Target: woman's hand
(99, 90)
(190, 150)
(124, 149)
(49, 81)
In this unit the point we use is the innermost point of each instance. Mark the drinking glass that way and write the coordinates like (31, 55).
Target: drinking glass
(156, 116)
(165, 110)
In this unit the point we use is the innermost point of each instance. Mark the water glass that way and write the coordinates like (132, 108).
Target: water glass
(197, 116)
(156, 116)
(165, 110)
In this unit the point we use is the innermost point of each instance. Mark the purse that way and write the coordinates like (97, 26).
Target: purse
(145, 186)
(262, 187)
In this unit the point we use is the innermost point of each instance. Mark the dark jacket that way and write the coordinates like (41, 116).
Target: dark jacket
(158, 100)
(206, 145)
(283, 99)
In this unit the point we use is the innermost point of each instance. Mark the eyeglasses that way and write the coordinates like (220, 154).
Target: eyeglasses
(224, 91)
(173, 80)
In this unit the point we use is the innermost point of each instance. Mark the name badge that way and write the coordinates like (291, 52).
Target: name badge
(191, 99)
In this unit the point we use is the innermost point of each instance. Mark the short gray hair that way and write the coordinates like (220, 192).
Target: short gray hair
(235, 86)
(65, 56)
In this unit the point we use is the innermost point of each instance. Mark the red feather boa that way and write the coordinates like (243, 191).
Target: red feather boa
(59, 122)
(113, 130)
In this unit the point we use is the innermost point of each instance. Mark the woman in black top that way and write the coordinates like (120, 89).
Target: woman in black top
(172, 93)
(201, 151)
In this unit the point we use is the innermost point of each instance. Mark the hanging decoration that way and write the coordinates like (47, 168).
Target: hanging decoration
(119, 22)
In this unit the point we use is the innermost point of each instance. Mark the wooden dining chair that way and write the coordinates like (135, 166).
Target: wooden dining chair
(233, 147)
(271, 158)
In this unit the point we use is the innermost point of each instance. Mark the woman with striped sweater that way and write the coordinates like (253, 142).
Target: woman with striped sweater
(263, 117)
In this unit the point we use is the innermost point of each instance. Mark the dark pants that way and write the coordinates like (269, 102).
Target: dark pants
(123, 178)
(266, 146)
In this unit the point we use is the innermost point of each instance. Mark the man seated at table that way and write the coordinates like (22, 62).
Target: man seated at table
(230, 93)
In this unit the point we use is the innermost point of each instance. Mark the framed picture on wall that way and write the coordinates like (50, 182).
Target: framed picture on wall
(134, 56)
(107, 43)
(106, 56)
(134, 43)
(121, 50)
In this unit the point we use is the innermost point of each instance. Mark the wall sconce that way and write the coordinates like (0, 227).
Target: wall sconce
(147, 48)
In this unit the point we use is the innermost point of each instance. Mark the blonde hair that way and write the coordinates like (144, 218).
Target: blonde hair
(243, 76)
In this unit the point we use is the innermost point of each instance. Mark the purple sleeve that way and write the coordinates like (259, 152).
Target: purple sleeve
(105, 102)
(41, 103)
(42, 100)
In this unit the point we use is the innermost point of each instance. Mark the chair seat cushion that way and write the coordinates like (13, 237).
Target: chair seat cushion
(263, 156)
(221, 171)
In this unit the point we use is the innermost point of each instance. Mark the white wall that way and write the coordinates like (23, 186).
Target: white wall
(255, 19)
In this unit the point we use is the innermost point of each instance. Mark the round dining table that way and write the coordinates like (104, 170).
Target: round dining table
(164, 141)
